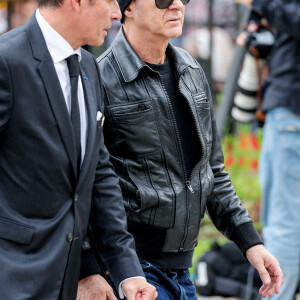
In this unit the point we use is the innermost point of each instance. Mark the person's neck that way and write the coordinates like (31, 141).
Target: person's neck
(149, 48)
(57, 19)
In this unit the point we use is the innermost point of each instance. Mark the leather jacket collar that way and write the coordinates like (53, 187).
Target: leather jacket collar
(130, 63)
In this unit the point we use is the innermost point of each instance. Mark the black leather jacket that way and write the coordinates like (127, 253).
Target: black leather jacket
(141, 135)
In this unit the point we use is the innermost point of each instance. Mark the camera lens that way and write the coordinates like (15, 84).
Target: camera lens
(245, 101)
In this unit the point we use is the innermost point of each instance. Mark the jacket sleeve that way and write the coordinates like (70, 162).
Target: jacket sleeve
(108, 219)
(223, 206)
(91, 263)
(284, 15)
(5, 93)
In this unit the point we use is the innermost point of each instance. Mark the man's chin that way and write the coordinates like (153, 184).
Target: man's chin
(97, 43)
(175, 33)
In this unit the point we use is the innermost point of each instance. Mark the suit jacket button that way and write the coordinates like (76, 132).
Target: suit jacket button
(76, 197)
(70, 237)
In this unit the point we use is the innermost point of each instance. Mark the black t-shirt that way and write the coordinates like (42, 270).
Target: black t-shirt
(185, 123)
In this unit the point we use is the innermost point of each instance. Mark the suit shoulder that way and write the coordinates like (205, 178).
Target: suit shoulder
(13, 41)
(88, 61)
(15, 48)
(87, 56)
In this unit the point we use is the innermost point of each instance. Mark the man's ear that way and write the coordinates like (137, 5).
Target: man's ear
(129, 9)
(77, 4)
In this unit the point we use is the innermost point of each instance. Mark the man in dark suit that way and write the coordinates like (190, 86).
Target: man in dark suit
(54, 167)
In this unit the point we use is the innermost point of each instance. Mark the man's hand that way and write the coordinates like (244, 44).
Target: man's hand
(268, 269)
(138, 289)
(94, 287)
(245, 2)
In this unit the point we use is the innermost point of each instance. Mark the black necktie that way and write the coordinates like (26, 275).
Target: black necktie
(73, 65)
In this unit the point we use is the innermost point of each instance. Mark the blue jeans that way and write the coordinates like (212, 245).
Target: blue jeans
(170, 284)
(280, 180)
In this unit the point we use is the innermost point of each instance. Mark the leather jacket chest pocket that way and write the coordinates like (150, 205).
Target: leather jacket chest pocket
(132, 128)
(204, 117)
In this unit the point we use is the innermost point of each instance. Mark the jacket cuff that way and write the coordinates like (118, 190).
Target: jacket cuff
(260, 6)
(89, 264)
(245, 236)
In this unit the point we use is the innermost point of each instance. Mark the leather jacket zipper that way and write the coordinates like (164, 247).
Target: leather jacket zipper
(188, 182)
(189, 187)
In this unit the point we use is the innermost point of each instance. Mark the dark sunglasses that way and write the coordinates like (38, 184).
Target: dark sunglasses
(163, 4)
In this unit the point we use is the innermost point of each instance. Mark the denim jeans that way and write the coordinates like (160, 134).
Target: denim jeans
(280, 180)
(170, 284)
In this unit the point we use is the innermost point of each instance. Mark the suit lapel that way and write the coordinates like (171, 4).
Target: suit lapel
(52, 86)
(92, 123)
(59, 108)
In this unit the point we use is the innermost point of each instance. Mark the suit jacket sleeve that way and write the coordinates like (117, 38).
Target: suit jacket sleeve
(108, 219)
(90, 262)
(5, 93)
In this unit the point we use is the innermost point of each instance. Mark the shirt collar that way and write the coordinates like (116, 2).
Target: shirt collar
(58, 47)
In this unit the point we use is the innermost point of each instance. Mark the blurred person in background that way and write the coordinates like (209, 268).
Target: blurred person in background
(198, 43)
(15, 13)
(280, 157)
(3, 17)
(161, 133)
(22, 11)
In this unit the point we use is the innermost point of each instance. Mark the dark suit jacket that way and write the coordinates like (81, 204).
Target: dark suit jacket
(44, 204)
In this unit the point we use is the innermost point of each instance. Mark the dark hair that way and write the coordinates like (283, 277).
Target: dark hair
(52, 3)
(55, 3)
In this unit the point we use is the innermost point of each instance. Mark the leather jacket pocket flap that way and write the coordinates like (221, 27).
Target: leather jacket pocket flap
(16, 232)
(133, 113)
(132, 129)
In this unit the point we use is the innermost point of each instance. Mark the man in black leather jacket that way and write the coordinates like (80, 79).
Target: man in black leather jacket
(161, 133)
(280, 156)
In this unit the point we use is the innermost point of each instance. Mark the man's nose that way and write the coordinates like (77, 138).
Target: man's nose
(177, 4)
(116, 15)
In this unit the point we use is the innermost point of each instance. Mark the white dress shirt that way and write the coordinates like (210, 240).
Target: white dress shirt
(59, 50)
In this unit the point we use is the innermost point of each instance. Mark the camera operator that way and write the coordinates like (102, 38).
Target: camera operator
(280, 157)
